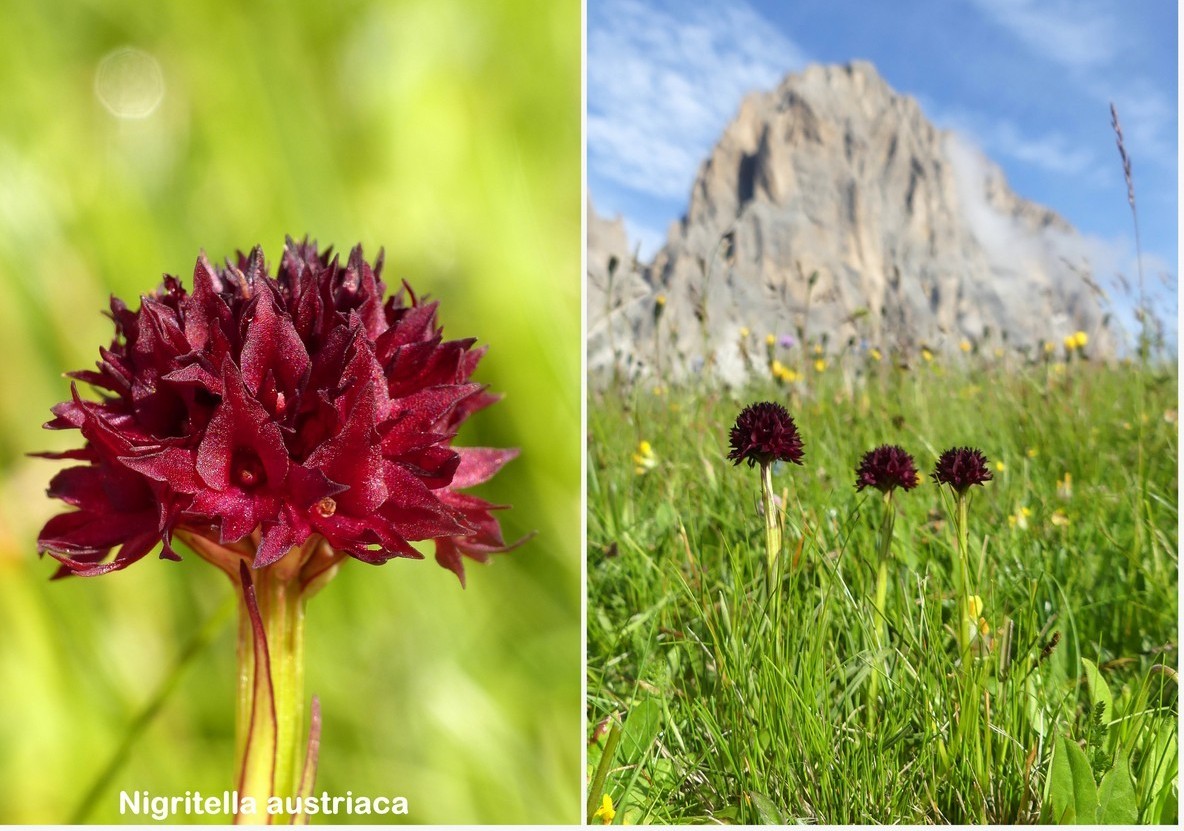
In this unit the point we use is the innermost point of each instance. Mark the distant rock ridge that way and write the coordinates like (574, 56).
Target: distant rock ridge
(831, 207)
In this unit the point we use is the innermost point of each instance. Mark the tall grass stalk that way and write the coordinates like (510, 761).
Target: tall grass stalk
(1144, 354)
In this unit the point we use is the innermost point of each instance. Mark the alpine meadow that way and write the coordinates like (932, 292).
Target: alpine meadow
(881, 490)
(733, 708)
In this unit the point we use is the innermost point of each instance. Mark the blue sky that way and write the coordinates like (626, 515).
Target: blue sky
(1027, 81)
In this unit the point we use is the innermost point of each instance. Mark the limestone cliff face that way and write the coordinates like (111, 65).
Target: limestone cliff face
(617, 295)
(832, 206)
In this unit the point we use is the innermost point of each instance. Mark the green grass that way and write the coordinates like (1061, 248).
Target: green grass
(412, 125)
(735, 712)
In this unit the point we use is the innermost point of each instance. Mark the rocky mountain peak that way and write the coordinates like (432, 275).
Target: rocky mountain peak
(831, 206)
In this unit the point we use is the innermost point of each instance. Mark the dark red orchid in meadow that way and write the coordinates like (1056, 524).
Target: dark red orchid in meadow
(886, 467)
(260, 415)
(961, 467)
(765, 432)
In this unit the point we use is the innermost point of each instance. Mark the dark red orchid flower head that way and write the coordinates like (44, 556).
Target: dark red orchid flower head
(885, 468)
(264, 414)
(961, 467)
(763, 433)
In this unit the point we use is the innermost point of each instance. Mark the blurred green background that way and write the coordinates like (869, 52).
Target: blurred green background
(447, 132)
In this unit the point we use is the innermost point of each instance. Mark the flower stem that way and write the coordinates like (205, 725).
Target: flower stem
(270, 725)
(606, 762)
(964, 590)
(881, 597)
(970, 707)
(772, 530)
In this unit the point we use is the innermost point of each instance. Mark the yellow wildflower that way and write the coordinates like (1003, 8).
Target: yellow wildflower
(659, 391)
(745, 332)
(820, 365)
(1032, 452)
(875, 353)
(660, 300)
(644, 459)
(1000, 466)
(1065, 486)
(1020, 518)
(770, 340)
(974, 611)
(606, 813)
(783, 373)
(964, 346)
(1080, 339)
(1059, 518)
(1049, 346)
(926, 354)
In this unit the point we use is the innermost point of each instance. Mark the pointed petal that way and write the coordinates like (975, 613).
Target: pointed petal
(479, 464)
(448, 556)
(416, 512)
(272, 344)
(277, 540)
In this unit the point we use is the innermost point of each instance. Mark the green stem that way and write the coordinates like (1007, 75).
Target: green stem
(270, 725)
(971, 707)
(963, 532)
(878, 664)
(606, 761)
(772, 530)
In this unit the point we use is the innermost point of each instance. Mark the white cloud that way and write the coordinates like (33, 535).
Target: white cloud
(1004, 241)
(662, 85)
(1007, 241)
(1053, 152)
(1007, 244)
(1078, 35)
(1091, 40)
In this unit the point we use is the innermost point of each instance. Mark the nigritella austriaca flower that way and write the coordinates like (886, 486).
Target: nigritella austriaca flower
(885, 468)
(277, 425)
(764, 433)
(961, 468)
